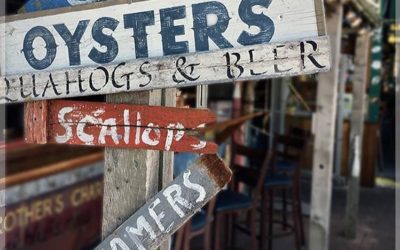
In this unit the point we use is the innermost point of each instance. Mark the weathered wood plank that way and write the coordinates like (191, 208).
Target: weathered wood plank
(121, 32)
(252, 62)
(324, 127)
(36, 5)
(360, 80)
(162, 215)
(165, 173)
(117, 125)
(122, 196)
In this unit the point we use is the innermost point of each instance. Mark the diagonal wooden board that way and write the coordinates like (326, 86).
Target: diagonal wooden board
(251, 62)
(167, 211)
(117, 125)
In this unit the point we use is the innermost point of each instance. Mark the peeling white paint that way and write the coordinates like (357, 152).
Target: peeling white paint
(68, 130)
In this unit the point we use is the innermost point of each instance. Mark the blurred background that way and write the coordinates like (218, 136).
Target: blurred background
(51, 195)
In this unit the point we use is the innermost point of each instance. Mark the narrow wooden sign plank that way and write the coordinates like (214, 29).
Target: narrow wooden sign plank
(101, 34)
(117, 125)
(251, 62)
(166, 212)
(37, 5)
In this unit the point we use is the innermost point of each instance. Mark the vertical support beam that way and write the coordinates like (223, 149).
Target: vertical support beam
(130, 176)
(151, 172)
(279, 94)
(344, 66)
(397, 155)
(201, 96)
(272, 109)
(361, 64)
(165, 174)
(284, 94)
(248, 107)
(324, 126)
(236, 112)
(2, 122)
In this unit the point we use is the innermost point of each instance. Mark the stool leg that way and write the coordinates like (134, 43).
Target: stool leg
(187, 238)
(270, 218)
(217, 242)
(300, 210)
(295, 216)
(179, 238)
(233, 233)
(229, 229)
(263, 220)
(284, 209)
(207, 237)
(253, 228)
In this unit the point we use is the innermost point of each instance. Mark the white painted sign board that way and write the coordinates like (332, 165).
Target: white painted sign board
(34, 47)
(250, 62)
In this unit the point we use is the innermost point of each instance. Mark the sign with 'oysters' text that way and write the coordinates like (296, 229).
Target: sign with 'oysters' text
(117, 125)
(93, 51)
(166, 212)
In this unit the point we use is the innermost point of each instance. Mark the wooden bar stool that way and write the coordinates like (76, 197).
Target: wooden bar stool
(200, 224)
(287, 150)
(231, 202)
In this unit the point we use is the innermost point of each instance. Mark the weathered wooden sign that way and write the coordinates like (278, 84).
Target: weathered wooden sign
(252, 62)
(146, 29)
(93, 51)
(162, 215)
(117, 125)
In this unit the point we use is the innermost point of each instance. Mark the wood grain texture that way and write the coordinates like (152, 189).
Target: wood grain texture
(360, 81)
(36, 122)
(130, 176)
(324, 128)
(298, 16)
(162, 215)
(165, 174)
(249, 63)
(117, 125)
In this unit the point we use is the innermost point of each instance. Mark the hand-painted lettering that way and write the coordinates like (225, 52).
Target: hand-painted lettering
(108, 41)
(138, 22)
(169, 31)
(51, 47)
(264, 23)
(72, 41)
(203, 31)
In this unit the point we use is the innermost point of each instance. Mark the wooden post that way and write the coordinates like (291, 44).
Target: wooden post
(127, 187)
(201, 96)
(344, 61)
(2, 124)
(324, 127)
(168, 98)
(397, 93)
(272, 109)
(361, 63)
(248, 107)
(131, 177)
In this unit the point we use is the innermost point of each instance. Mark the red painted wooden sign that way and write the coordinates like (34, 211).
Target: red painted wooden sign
(117, 125)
